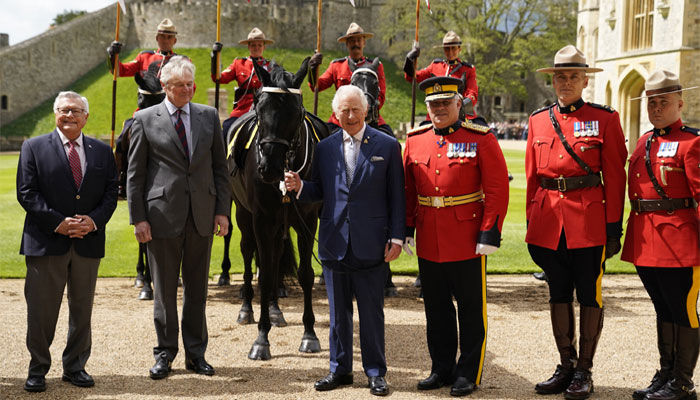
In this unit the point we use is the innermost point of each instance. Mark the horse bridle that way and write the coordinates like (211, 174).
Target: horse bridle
(281, 141)
(375, 101)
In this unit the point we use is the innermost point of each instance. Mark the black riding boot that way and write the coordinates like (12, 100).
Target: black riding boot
(563, 327)
(581, 386)
(665, 339)
(681, 385)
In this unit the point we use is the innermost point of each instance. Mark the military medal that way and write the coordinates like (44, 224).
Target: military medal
(462, 148)
(577, 129)
(667, 149)
(441, 142)
(450, 150)
(472, 150)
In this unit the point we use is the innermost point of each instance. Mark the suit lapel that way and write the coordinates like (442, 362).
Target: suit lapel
(90, 157)
(60, 152)
(365, 151)
(339, 148)
(166, 124)
(195, 122)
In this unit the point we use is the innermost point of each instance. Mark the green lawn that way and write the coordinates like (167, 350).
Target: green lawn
(120, 259)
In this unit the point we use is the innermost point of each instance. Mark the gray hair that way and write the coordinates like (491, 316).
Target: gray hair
(347, 91)
(70, 95)
(177, 66)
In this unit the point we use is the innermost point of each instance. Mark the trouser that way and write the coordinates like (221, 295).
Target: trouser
(466, 282)
(365, 281)
(165, 256)
(47, 276)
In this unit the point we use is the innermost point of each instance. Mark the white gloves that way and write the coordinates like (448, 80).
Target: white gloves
(407, 244)
(485, 249)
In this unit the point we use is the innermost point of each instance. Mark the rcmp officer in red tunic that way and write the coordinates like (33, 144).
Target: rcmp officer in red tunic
(663, 234)
(574, 220)
(241, 70)
(451, 65)
(166, 38)
(456, 200)
(339, 74)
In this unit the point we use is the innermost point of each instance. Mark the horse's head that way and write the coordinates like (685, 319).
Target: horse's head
(279, 108)
(150, 90)
(366, 78)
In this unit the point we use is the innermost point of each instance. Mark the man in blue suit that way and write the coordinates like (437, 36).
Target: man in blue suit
(358, 174)
(67, 184)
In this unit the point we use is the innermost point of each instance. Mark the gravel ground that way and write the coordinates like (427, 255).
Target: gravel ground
(520, 349)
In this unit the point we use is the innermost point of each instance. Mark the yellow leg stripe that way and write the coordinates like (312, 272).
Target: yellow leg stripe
(599, 282)
(692, 300)
(486, 323)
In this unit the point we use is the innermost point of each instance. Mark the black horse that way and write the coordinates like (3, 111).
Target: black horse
(150, 93)
(277, 135)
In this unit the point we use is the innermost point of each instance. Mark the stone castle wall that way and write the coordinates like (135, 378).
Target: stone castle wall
(35, 70)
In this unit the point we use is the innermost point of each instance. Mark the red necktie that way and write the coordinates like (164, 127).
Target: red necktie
(75, 166)
(180, 128)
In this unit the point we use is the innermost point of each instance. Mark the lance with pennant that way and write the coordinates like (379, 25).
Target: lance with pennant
(218, 55)
(318, 50)
(415, 66)
(121, 7)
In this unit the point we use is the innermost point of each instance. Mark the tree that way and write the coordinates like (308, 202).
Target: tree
(504, 39)
(66, 16)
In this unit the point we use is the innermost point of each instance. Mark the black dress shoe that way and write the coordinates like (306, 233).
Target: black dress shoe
(378, 386)
(462, 387)
(200, 366)
(161, 368)
(35, 383)
(78, 378)
(332, 381)
(434, 381)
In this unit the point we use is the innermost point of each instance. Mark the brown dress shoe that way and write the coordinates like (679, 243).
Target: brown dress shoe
(659, 380)
(581, 386)
(674, 390)
(557, 383)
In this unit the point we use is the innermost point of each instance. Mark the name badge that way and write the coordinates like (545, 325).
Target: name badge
(667, 149)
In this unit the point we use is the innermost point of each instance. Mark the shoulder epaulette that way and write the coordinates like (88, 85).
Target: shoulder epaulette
(467, 64)
(539, 110)
(148, 52)
(688, 129)
(475, 127)
(419, 130)
(338, 60)
(438, 61)
(602, 107)
(479, 121)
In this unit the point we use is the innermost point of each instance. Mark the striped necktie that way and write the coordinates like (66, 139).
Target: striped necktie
(75, 166)
(180, 128)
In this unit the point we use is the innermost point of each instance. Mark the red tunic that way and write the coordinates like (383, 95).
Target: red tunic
(240, 70)
(142, 61)
(657, 238)
(451, 233)
(441, 67)
(587, 215)
(338, 74)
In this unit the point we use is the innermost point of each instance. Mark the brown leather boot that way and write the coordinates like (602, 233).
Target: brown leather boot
(581, 386)
(681, 386)
(564, 335)
(665, 340)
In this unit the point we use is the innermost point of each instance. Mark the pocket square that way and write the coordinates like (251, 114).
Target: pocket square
(376, 158)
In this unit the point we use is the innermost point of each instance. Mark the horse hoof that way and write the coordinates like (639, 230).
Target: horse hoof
(138, 283)
(417, 283)
(260, 352)
(224, 281)
(391, 292)
(282, 292)
(321, 280)
(245, 318)
(146, 293)
(277, 320)
(310, 345)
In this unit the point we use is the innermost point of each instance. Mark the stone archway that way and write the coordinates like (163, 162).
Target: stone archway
(631, 86)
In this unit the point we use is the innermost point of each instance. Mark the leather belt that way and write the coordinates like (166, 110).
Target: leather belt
(642, 205)
(447, 201)
(576, 182)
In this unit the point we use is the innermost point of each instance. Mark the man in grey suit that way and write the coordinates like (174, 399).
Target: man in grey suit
(179, 196)
(67, 183)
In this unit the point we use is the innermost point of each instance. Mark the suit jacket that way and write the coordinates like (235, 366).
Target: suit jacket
(369, 212)
(46, 191)
(163, 186)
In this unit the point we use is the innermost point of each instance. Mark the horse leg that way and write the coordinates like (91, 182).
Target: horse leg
(389, 287)
(225, 278)
(146, 291)
(245, 224)
(305, 274)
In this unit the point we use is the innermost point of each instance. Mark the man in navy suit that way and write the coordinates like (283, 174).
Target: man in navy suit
(67, 184)
(358, 174)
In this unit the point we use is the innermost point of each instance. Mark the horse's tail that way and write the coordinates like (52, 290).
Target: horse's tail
(288, 262)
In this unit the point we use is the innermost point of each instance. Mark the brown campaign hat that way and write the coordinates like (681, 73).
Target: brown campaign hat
(355, 30)
(256, 35)
(569, 58)
(441, 87)
(450, 39)
(662, 82)
(166, 27)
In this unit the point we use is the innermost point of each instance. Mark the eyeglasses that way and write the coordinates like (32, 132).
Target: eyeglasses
(77, 112)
